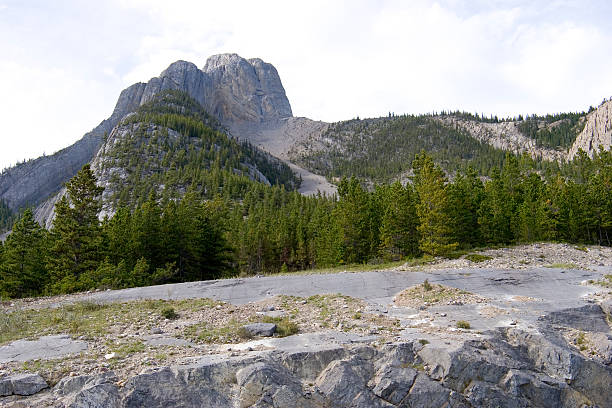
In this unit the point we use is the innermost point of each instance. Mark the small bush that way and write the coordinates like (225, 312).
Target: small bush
(462, 324)
(427, 286)
(284, 326)
(424, 341)
(357, 316)
(244, 334)
(476, 258)
(169, 313)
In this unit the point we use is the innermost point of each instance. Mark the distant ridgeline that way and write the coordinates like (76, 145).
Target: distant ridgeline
(171, 145)
(382, 149)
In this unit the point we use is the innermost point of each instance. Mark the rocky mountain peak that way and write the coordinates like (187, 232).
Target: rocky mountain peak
(218, 61)
(246, 90)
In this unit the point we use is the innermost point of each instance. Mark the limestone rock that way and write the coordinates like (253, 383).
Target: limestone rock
(21, 384)
(505, 136)
(260, 329)
(597, 131)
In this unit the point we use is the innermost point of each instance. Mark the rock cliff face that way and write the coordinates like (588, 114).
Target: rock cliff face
(505, 136)
(233, 89)
(597, 131)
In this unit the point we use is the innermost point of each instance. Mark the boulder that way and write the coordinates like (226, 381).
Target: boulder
(22, 384)
(260, 329)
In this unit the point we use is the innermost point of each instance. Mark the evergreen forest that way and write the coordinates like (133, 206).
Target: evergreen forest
(272, 229)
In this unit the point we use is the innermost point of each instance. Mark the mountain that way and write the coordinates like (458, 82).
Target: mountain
(233, 89)
(247, 101)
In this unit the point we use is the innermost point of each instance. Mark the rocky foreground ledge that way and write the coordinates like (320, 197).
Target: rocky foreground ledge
(464, 337)
(505, 368)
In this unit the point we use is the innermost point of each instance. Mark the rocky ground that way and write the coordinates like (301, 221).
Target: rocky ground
(516, 327)
(551, 255)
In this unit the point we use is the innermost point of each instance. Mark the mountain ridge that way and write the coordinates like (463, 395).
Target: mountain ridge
(247, 97)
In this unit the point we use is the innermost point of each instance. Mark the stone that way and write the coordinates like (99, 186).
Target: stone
(260, 329)
(45, 347)
(22, 384)
(393, 383)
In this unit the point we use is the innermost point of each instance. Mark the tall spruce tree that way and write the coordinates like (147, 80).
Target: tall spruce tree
(435, 226)
(398, 230)
(23, 272)
(75, 235)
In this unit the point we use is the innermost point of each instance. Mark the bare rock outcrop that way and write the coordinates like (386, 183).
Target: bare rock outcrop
(597, 131)
(505, 136)
(506, 367)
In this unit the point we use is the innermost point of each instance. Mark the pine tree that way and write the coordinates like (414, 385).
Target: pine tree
(398, 230)
(23, 272)
(75, 234)
(435, 226)
(354, 220)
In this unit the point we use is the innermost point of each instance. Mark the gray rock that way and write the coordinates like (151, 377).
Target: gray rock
(96, 396)
(394, 383)
(344, 384)
(22, 384)
(606, 307)
(427, 393)
(597, 131)
(45, 347)
(260, 329)
(264, 384)
(506, 367)
(602, 342)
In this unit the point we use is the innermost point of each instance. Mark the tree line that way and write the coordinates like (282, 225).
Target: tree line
(270, 229)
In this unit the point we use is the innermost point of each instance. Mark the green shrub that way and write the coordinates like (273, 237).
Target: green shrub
(427, 286)
(169, 313)
(478, 258)
(462, 324)
(284, 326)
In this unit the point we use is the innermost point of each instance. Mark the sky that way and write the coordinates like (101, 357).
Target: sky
(63, 63)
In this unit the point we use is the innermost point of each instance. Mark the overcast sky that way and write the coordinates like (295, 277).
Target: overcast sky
(63, 63)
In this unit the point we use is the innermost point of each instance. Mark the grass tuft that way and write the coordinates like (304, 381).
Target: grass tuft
(462, 324)
(476, 258)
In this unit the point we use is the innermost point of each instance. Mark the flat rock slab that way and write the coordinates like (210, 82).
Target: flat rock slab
(45, 348)
(21, 384)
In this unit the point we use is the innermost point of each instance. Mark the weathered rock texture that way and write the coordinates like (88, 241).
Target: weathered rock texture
(597, 131)
(506, 367)
(22, 384)
(505, 136)
(235, 90)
